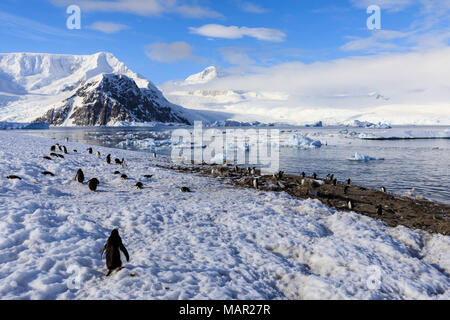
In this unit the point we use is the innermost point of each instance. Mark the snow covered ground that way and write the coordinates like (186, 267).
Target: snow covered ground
(218, 242)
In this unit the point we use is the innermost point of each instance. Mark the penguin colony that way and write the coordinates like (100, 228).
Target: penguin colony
(114, 243)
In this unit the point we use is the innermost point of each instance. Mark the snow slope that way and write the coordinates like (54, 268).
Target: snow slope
(31, 84)
(217, 242)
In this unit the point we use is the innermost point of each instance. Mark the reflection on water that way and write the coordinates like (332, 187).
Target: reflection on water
(419, 164)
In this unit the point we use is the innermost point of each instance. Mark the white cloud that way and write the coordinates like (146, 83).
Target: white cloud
(170, 52)
(142, 7)
(378, 41)
(235, 55)
(390, 5)
(108, 27)
(253, 8)
(234, 32)
(417, 85)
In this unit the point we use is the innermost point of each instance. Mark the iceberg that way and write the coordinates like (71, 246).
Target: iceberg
(363, 158)
(302, 141)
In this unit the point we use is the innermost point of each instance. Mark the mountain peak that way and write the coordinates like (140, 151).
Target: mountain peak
(79, 90)
(207, 75)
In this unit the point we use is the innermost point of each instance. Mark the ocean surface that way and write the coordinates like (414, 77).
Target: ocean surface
(422, 165)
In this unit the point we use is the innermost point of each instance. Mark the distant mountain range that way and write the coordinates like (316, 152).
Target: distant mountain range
(84, 90)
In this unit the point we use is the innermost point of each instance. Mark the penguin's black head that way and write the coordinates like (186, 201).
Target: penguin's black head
(114, 233)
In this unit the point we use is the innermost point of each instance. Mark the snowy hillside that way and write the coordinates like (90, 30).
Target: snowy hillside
(217, 242)
(74, 90)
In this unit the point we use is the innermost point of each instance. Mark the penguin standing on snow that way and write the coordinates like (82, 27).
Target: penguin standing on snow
(93, 183)
(79, 176)
(89, 150)
(65, 150)
(383, 189)
(139, 186)
(98, 155)
(108, 159)
(112, 249)
(53, 148)
(349, 181)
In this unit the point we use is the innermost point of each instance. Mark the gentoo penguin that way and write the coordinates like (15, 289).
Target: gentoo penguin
(117, 161)
(90, 150)
(111, 248)
(255, 183)
(79, 176)
(379, 210)
(314, 175)
(93, 183)
(52, 148)
(124, 177)
(383, 189)
(98, 155)
(139, 185)
(47, 173)
(350, 204)
(154, 154)
(148, 176)
(314, 186)
(213, 171)
(349, 181)
(66, 139)
(54, 154)
(12, 177)
(60, 155)
(253, 171)
(303, 174)
(47, 158)
(122, 163)
(345, 189)
(65, 150)
(331, 177)
(236, 169)
(74, 151)
(116, 172)
(303, 182)
(335, 182)
(60, 147)
(108, 159)
(185, 189)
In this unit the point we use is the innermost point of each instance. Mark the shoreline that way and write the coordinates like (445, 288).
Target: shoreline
(398, 210)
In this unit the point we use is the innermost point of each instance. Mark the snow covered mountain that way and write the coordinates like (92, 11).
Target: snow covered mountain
(83, 90)
(301, 94)
(205, 76)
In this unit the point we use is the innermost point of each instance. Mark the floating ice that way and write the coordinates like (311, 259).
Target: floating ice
(360, 157)
(302, 141)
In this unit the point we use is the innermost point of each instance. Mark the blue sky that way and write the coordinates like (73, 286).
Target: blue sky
(171, 39)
